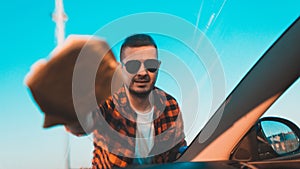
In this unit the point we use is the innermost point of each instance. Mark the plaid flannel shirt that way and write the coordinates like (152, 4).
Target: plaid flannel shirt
(115, 130)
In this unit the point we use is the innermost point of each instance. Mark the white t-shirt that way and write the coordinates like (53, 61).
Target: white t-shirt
(144, 136)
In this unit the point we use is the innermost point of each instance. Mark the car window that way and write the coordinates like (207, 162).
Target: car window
(287, 106)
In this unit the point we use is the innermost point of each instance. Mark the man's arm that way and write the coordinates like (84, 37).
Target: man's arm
(176, 151)
(91, 121)
(83, 127)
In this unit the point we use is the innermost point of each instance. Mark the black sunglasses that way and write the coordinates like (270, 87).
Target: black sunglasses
(133, 66)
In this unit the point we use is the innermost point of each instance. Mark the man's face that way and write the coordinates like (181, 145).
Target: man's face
(137, 78)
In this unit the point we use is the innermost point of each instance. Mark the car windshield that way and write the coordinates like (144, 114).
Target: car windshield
(206, 48)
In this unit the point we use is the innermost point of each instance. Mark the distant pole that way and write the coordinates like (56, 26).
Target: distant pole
(59, 17)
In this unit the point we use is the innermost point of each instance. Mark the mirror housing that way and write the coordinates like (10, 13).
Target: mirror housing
(280, 135)
(263, 141)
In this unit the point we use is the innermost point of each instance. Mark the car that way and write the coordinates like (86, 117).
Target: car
(237, 136)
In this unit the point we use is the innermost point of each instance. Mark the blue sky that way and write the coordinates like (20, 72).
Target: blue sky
(239, 31)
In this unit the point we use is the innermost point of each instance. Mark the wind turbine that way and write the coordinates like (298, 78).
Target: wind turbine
(59, 17)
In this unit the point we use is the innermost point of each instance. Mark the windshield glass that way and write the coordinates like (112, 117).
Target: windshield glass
(206, 47)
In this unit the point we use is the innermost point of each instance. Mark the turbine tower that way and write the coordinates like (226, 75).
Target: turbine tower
(59, 17)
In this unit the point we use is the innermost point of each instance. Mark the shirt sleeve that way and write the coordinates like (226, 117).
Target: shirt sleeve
(84, 127)
(180, 141)
(91, 120)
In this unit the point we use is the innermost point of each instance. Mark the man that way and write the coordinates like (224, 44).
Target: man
(147, 120)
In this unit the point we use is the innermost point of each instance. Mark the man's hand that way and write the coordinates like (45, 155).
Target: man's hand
(50, 82)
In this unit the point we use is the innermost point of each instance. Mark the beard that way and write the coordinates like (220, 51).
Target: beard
(141, 92)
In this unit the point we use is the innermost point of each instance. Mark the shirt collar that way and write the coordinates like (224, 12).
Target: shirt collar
(122, 104)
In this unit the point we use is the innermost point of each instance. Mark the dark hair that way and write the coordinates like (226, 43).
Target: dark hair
(137, 40)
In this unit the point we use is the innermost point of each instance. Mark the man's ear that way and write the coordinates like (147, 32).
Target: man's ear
(117, 79)
(123, 71)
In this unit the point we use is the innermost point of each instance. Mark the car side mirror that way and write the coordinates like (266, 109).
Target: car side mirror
(280, 136)
(269, 138)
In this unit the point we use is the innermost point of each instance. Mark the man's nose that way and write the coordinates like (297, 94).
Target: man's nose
(142, 70)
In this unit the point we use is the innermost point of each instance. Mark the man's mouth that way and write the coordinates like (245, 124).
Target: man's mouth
(141, 81)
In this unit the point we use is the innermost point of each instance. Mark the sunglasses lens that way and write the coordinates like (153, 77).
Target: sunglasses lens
(133, 66)
(152, 65)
